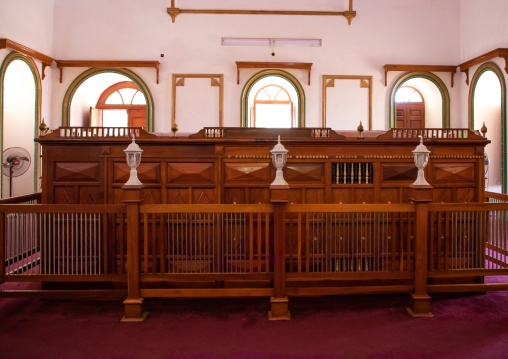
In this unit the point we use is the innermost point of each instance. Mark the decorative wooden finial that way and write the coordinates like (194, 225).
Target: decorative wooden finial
(43, 127)
(174, 129)
(360, 130)
(484, 130)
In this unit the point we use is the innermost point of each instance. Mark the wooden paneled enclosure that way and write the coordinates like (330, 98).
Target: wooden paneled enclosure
(206, 222)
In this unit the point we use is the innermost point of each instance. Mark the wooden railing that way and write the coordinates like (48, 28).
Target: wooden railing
(275, 250)
(431, 133)
(494, 197)
(33, 198)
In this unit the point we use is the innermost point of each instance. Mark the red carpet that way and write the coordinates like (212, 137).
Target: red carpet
(375, 327)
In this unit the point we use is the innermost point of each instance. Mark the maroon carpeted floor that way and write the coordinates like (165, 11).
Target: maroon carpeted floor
(377, 327)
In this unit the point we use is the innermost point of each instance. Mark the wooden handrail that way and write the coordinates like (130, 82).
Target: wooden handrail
(498, 196)
(23, 199)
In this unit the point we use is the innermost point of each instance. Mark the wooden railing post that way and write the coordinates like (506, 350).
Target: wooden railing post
(133, 305)
(279, 197)
(419, 305)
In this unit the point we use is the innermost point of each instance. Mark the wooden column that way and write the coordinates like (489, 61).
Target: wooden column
(279, 197)
(133, 305)
(419, 305)
(2, 243)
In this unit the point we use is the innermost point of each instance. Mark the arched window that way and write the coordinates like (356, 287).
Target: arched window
(408, 94)
(272, 107)
(273, 98)
(120, 105)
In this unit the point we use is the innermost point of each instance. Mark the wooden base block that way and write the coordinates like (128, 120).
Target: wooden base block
(140, 319)
(134, 310)
(279, 309)
(419, 306)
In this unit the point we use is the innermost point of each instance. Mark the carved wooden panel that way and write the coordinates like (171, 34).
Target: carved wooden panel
(247, 172)
(234, 195)
(148, 172)
(192, 173)
(315, 195)
(203, 196)
(304, 172)
(399, 172)
(90, 195)
(65, 195)
(389, 195)
(442, 195)
(446, 173)
(178, 196)
(364, 195)
(463, 195)
(77, 171)
(148, 195)
(341, 195)
(259, 195)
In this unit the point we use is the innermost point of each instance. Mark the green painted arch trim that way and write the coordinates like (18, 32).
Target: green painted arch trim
(71, 90)
(13, 56)
(445, 95)
(491, 66)
(244, 105)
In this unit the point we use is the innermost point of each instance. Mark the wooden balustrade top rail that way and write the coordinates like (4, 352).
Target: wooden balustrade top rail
(206, 208)
(431, 133)
(349, 208)
(62, 208)
(24, 199)
(497, 196)
(468, 207)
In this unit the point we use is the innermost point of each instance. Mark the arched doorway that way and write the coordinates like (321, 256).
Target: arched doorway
(20, 109)
(120, 105)
(487, 104)
(410, 108)
(89, 79)
(273, 98)
(434, 93)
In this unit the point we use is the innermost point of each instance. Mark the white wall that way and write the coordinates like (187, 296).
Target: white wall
(388, 31)
(18, 124)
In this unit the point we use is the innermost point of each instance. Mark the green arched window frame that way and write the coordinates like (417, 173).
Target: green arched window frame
(13, 56)
(445, 95)
(491, 66)
(66, 106)
(267, 73)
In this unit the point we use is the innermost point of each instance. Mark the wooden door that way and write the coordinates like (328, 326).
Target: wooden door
(137, 118)
(411, 115)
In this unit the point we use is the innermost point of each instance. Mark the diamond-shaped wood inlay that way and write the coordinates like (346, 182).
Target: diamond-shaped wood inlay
(147, 172)
(399, 172)
(308, 172)
(194, 173)
(247, 172)
(77, 171)
(445, 173)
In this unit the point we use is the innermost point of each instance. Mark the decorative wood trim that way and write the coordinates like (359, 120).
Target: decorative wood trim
(173, 11)
(106, 64)
(420, 68)
(46, 60)
(329, 81)
(216, 80)
(502, 52)
(271, 65)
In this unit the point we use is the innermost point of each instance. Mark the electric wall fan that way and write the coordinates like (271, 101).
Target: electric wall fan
(15, 162)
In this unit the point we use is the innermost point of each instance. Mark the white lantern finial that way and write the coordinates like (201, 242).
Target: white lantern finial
(421, 155)
(133, 154)
(279, 158)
